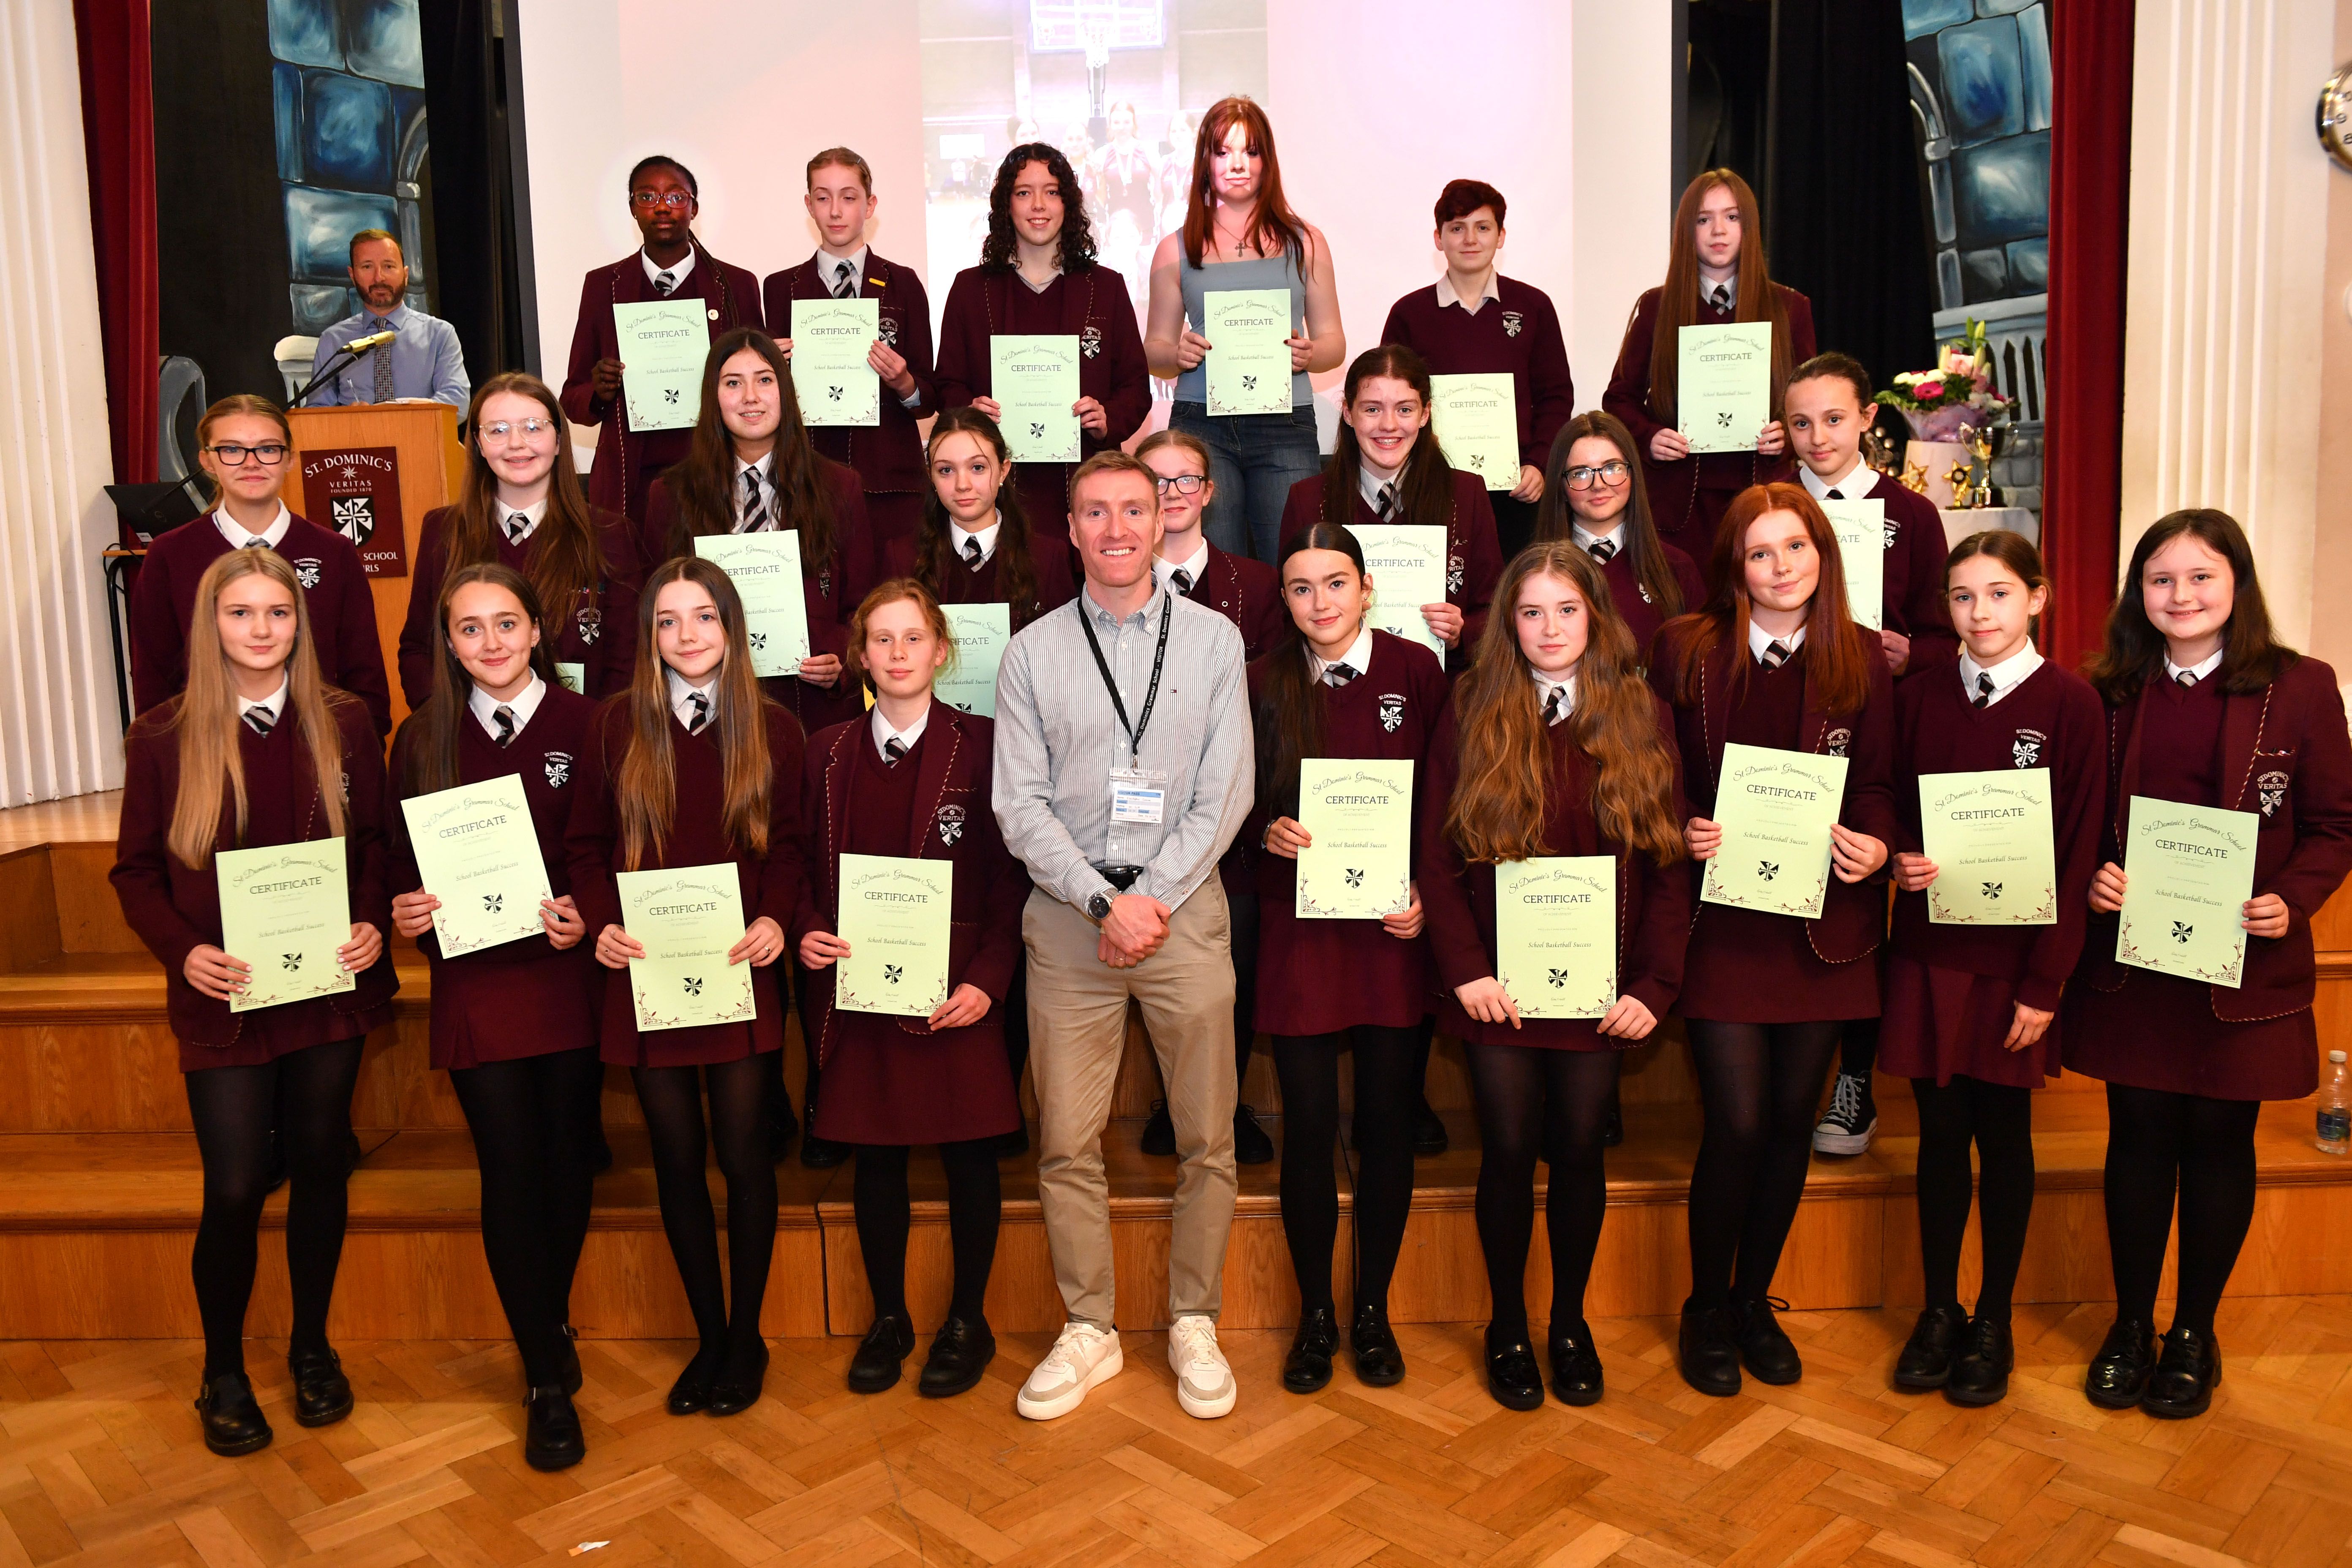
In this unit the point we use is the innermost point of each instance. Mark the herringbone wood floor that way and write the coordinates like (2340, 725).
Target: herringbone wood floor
(101, 1463)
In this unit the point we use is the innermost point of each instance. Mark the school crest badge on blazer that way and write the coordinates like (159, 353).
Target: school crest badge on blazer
(2273, 786)
(951, 820)
(890, 331)
(2025, 750)
(1835, 742)
(1888, 524)
(559, 769)
(308, 570)
(1453, 574)
(1392, 711)
(590, 620)
(1512, 323)
(1090, 342)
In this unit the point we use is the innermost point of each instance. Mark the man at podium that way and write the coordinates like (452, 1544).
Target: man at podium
(424, 358)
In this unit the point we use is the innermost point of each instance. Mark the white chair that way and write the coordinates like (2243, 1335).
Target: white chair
(294, 357)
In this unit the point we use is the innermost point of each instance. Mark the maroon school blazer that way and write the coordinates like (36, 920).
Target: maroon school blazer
(1049, 560)
(600, 632)
(1516, 334)
(890, 456)
(1474, 556)
(1244, 590)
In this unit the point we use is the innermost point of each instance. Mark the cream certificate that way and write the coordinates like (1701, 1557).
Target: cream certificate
(1476, 418)
(1555, 934)
(830, 339)
(895, 916)
(1358, 814)
(1989, 835)
(1249, 355)
(478, 854)
(1406, 561)
(686, 920)
(663, 344)
(1723, 385)
(285, 911)
(1775, 809)
(572, 677)
(1861, 527)
(766, 571)
(2188, 871)
(1034, 379)
(969, 682)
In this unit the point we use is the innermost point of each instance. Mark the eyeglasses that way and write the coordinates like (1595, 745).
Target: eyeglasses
(530, 429)
(677, 201)
(1612, 472)
(269, 454)
(1182, 484)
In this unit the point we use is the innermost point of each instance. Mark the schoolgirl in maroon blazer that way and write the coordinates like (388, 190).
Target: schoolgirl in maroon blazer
(2206, 708)
(244, 446)
(1773, 659)
(1594, 499)
(258, 752)
(976, 544)
(1553, 747)
(1969, 1006)
(522, 508)
(1715, 274)
(1037, 273)
(911, 780)
(1336, 688)
(514, 1024)
(1388, 468)
(672, 264)
(693, 766)
(1449, 324)
(889, 457)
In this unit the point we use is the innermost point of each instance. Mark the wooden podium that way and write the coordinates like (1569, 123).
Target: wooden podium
(372, 471)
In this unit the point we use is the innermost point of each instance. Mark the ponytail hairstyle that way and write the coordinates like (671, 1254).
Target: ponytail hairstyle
(1426, 489)
(2012, 550)
(935, 557)
(563, 555)
(432, 763)
(1000, 253)
(1757, 299)
(1637, 532)
(1275, 230)
(2251, 656)
(644, 781)
(1288, 718)
(244, 402)
(703, 484)
(890, 593)
(1838, 654)
(1502, 793)
(205, 718)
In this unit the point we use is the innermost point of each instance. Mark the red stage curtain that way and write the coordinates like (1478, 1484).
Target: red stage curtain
(2090, 178)
(118, 115)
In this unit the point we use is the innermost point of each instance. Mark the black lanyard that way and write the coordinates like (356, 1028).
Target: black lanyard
(1134, 731)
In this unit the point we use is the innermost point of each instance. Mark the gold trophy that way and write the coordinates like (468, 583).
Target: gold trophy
(1980, 448)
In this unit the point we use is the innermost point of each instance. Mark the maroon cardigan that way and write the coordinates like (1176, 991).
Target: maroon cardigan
(1474, 556)
(1515, 332)
(334, 590)
(890, 457)
(175, 909)
(1633, 602)
(601, 632)
(627, 460)
(1687, 496)
(1049, 558)
(1653, 902)
(697, 836)
(520, 998)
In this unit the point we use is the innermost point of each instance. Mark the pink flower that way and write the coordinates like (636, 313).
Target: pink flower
(1928, 391)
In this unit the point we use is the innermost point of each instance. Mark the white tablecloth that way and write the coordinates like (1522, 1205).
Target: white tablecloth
(1962, 523)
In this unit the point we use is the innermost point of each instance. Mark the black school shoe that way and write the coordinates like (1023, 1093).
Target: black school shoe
(233, 1420)
(2187, 1368)
(1379, 1360)
(821, 1154)
(691, 1394)
(1159, 1131)
(733, 1393)
(551, 1438)
(881, 1354)
(1706, 1350)
(1428, 1130)
(1575, 1363)
(1981, 1367)
(1927, 1359)
(1511, 1374)
(1251, 1145)
(1308, 1368)
(322, 1394)
(960, 1351)
(1764, 1348)
(2119, 1373)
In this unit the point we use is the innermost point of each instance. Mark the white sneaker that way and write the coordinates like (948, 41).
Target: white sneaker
(1084, 1357)
(1204, 1384)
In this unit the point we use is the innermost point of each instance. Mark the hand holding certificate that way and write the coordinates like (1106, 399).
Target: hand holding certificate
(1035, 377)
(1406, 561)
(981, 632)
(663, 344)
(1249, 350)
(896, 915)
(1989, 836)
(1357, 865)
(1555, 934)
(478, 854)
(1723, 385)
(1775, 809)
(1476, 418)
(284, 912)
(2189, 870)
(766, 571)
(687, 920)
(1861, 528)
(830, 339)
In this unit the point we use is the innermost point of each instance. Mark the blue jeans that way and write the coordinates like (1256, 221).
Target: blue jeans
(1253, 459)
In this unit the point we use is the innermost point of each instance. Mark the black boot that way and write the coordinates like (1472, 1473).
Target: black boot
(322, 1394)
(233, 1421)
(1511, 1374)
(1575, 1363)
(1927, 1358)
(881, 1354)
(960, 1351)
(2118, 1375)
(1308, 1368)
(1981, 1366)
(1764, 1349)
(1379, 1360)
(2187, 1368)
(551, 1438)
(1707, 1351)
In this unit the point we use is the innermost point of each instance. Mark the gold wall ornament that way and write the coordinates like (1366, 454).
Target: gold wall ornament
(1956, 478)
(1915, 478)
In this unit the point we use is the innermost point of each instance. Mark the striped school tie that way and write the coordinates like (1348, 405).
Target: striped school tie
(892, 750)
(1601, 549)
(701, 720)
(844, 286)
(260, 720)
(755, 504)
(1338, 675)
(972, 559)
(1776, 654)
(1388, 506)
(504, 716)
(1984, 691)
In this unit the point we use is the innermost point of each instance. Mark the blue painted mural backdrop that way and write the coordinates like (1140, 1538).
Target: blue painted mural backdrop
(347, 87)
(1980, 89)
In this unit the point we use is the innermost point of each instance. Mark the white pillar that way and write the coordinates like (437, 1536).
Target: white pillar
(59, 730)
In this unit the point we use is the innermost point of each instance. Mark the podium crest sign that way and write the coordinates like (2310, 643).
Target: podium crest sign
(355, 490)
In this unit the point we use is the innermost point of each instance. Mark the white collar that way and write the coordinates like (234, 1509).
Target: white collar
(679, 270)
(1040, 288)
(680, 689)
(274, 705)
(958, 534)
(236, 534)
(1448, 295)
(1367, 483)
(765, 465)
(884, 732)
(1586, 539)
(1854, 484)
(532, 516)
(2200, 669)
(2007, 676)
(484, 707)
(827, 263)
(1359, 657)
(1707, 289)
(1197, 564)
(1546, 685)
(1759, 640)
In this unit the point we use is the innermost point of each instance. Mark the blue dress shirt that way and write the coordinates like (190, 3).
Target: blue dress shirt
(425, 360)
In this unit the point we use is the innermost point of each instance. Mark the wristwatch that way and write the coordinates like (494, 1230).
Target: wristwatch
(1098, 907)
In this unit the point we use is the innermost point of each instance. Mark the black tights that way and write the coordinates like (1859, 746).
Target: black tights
(2158, 1143)
(672, 1098)
(535, 1122)
(1554, 1104)
(1998, 1120)
(1760, 1085)
(975, 1203)
(306, 1095)
(1381, 1134)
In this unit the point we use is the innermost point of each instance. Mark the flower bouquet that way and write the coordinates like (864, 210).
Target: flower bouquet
(1956, 397)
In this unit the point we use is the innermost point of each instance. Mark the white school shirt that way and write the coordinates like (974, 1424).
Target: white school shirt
(484, 707)
(2007, 676)
(1854, 484)
(679, 270)
(2200, 669)
(273, 707)
(766, 468)
(1448, 295)
(1359, 657)
(236, 534)
(1759, 640)
(958, 534)
(680, 689)
(1197, 564)
(1546, 686)
(532, 515)
(884, 732)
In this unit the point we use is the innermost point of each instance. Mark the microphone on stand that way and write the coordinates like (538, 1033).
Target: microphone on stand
(349, 353)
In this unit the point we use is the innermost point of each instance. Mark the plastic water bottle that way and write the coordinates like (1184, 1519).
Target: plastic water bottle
(2335, 1107)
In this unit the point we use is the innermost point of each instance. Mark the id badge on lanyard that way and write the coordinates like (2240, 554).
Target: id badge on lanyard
(1139, 794)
